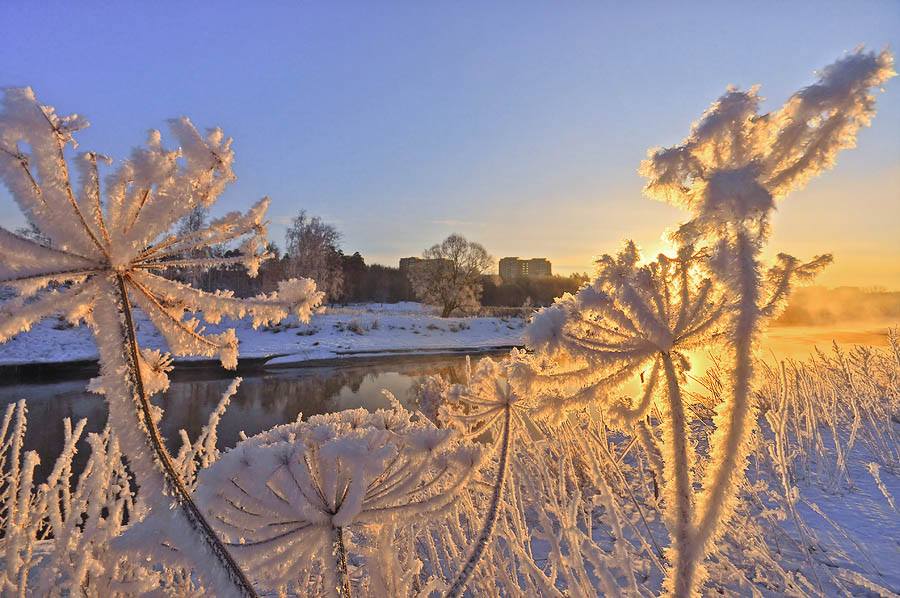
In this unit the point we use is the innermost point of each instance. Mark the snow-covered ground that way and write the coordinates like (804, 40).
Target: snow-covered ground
(380, 328)
(849, 525)
(337, 332)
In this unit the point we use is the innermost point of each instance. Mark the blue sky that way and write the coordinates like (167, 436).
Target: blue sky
(519, 125)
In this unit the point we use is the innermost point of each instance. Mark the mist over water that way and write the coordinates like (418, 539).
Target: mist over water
(844, 309)
(799, 341)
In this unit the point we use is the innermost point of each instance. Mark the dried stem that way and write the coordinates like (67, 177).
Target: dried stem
(459, 584)
(70, 195)
(677, 477)
(173, 482)
(343, 573)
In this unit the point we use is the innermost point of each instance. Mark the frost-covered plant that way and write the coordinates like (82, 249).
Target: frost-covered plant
(728, 173)
(17, 501)
(68, 538)
(82, 522)
(80, 519)
(200, 453)
(288, 499)
(486, 404)
(532, 492)
(632, 317)
(825, 419)
(542, 488)
(807, 404)
(107, 246)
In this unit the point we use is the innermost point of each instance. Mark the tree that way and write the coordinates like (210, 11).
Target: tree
(449, 274)
(385, 284)
(312, 248)
(353, 268)
(194, 221)
(542, 290)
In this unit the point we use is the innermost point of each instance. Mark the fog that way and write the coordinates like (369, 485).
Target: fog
(819, 306)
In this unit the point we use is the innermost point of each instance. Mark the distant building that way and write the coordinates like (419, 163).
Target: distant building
(512, 268)
(406, 262)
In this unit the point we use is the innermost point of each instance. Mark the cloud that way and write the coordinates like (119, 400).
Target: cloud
(282, 220)
(285, 220)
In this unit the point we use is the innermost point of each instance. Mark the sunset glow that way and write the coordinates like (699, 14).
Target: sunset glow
(450, 300)
(479, 130)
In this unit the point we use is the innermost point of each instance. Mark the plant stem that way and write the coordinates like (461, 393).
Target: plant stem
(172, 480)
(343, 573)
(459, 584)
(727, 449)
(677, 479)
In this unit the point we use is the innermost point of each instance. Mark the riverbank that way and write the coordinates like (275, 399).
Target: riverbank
(24, 373)
(55, 350)
(359, 332)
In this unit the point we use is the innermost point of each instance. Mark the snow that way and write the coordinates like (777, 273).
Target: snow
(339, 332)
(865, 534)
(848, 527)
(732, 469)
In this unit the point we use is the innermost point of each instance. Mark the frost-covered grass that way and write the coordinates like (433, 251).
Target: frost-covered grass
(581, 512)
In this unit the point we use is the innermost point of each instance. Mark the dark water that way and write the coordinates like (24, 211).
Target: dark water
(264, 399)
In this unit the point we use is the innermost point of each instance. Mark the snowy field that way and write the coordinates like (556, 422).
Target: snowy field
(391, 329)
(337, 332)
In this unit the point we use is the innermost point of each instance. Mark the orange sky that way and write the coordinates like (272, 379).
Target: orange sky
(851, 213)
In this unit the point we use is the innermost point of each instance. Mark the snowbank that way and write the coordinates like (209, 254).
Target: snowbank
(368, 329)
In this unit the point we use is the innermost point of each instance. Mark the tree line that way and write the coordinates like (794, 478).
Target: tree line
(452, 275)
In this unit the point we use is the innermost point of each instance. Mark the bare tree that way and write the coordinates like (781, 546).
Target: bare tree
(312, 247)
(194, 221)
(449, 274)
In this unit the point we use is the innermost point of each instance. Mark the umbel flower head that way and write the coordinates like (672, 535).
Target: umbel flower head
(283, 498)
(632, 314)
(105, 249)
(97, 243)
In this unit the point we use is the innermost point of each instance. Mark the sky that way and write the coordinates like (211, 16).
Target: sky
(517, 124)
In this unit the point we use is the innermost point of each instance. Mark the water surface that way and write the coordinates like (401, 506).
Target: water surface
(264, 399)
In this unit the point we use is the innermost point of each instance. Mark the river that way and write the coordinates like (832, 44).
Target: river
(264, 399)
(268, 397)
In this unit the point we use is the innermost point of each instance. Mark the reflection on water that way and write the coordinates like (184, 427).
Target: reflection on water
(799, 341)
(780, 343)
(262, 401)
